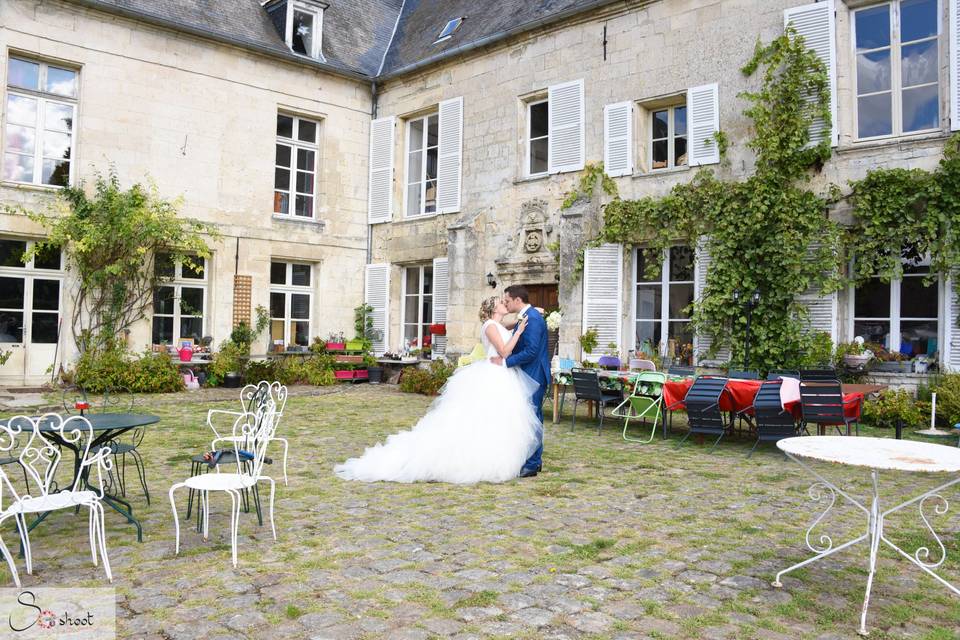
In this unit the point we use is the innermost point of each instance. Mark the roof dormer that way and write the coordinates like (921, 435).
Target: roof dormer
(300, 23)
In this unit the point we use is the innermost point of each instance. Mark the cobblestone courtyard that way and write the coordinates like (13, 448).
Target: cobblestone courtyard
(613, 540)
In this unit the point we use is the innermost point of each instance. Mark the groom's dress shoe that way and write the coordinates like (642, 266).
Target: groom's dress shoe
(528, 473)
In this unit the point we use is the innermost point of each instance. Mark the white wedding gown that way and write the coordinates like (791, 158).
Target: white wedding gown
(481, 428)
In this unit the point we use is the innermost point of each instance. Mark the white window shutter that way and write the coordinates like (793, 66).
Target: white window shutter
(380, 198)
(449, 155)
(618, 139)
(703, 343)
(821, 309)
(954, 46)
(565, 127)
(950, 353)
(817, 24)
(441, 298)
(703, 113)
(603, 294)
(377, 294)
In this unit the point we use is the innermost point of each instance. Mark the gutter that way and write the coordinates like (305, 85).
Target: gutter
(493, 37)
(173, 25)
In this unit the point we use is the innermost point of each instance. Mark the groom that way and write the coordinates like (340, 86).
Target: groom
(531, 356)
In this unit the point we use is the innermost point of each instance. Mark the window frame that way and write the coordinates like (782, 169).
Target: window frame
(665, 283)
(896, 74)
(178, 282)
(288, 289)
(296, 144)
(528, 106)
(420, 296)
(317, 12)
(671, 136)
(28, 273)
(424, 149)
(43, 98)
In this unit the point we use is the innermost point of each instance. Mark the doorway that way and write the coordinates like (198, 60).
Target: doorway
(545, 296)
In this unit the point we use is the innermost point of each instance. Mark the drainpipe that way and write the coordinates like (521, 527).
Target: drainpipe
(373, 116)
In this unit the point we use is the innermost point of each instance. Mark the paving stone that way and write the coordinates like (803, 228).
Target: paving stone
(442, 626)
(472, 614)
(697, 577)
(514, 601)
(744, 582)
(533, 617)
(591, 622)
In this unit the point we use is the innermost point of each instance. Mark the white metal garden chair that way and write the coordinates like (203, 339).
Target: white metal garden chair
(251, 434)
(252, 397)
(40, 459)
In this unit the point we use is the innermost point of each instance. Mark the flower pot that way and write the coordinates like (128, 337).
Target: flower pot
(856, 361)
(336, 346)
(231, 380)
(894, 366)
(609, 362)
(361, 374)
(343, 374)
(353, 345)
(375, 375)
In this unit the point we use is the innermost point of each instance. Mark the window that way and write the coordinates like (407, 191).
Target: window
(422, 141)
(295, 171)
(664, 291)
(668, 137)
(902, 315)
(538, 137)
(305, 29)
(417, 305)
(29, 294)
(290, 303)
(179, 302)
(41, 119)
(449, 29)
(897, 68)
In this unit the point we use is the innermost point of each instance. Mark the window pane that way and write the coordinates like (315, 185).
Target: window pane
(679, 152)
(681, 332)
(873, 27)
(46, 294)
(305, 159)
(303, 33)
(191, 328)
(11, 293)
(919, 62)
(410, 334)
(17, 167)
(921, 108)
(56, 172)
(283, 155)
(410, 311)
(304, 207)
(301, 275)
(428, 280)
(916, 300)
(281, 202)
(300, 332)
(299, 306)
(430, 197)
(648, 333)
(43, 328)
(11, 253)
(661, 124)
(11, 326)
(539, 124)
(276, 332)
(56, 144)
(23, 73)
(681, 263)
(21, 139)
(660, 159)
(873, 72)
(538, 155)
(872, 300)
(918, 338)
(162, 330)
(415, 166)
(431, 164)
(427, 316)
(918, 19)
(432, 126)
(186, 271)
(649, 299)
(680, 121)
(278, 273)
(22, 110)
(62, 82)
(413, 199)
(58, 117)
(416, 135)
(413, 280)
(649, 265)
(304, 182)
(873, 115)
(191, 301)
(307, 131)
(284, 126)
(681, 296)
(873, 331)
(281, 179)
(277, 305)
(47, 259)
(163, 266)
(163, 300)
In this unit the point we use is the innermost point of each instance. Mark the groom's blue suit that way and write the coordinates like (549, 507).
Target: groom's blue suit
(530, 354)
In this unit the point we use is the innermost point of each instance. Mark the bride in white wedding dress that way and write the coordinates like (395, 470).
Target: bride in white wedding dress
(481, 428)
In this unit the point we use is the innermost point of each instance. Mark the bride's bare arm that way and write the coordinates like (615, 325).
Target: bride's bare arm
(504, 349)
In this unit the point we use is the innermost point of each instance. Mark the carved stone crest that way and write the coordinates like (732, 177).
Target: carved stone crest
(524, 255)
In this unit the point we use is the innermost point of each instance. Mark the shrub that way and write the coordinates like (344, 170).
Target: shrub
(891, 406)
(819, 351)
(426, 381)
(115, 368)
(947, 389)
(317, 371)
(226, 360)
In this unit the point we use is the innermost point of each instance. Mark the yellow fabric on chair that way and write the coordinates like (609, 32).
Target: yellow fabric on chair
(476, 355)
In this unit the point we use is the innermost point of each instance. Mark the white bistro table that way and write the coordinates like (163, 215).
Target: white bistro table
(876, 454)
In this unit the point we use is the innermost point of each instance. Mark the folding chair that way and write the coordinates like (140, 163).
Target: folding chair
(775, 374)
(586, 387)
(743, 375)
(818, 375)
(703, 409)
(823, 405)
(645, 401)
(773, 422)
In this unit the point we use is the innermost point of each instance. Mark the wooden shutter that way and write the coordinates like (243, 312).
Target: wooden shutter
(817, 24)
(565, 127)
(703, 113)
(441, 297)
(602, 295)
(950, 352)
(954, 45)
(703, 343)
(821, 309)
(449, 155)
(380, 197)
(618, 139)
(377, 295)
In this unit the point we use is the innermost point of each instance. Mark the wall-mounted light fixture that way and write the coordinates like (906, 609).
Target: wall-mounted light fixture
(491, 281)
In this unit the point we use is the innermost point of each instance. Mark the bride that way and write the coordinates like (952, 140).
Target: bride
(482, 427)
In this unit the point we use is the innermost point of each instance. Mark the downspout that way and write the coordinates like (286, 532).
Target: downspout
(373, 116)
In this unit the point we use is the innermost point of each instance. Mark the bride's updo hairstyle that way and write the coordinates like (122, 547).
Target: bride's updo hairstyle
(487, 307)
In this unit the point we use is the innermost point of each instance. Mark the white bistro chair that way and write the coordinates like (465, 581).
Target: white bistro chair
(252, 397)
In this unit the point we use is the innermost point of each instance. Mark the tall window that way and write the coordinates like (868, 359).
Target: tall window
(290, 303)
(664, 292)
(898, 60)
(295, 174)
(305, 28)
(668, 138)
(179, 304)
(538, 137)
(417, 305)
(41, 120)
(29, 294)
(901, 315)
(422, 139)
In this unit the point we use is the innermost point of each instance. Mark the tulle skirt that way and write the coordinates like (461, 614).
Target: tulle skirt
(482, 427)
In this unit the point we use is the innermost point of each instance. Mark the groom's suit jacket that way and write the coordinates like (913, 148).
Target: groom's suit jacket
(530, 354)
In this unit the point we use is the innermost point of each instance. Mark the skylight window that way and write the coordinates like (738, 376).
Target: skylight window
(451, 27)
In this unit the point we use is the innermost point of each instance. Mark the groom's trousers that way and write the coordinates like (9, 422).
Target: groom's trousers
(535, 460)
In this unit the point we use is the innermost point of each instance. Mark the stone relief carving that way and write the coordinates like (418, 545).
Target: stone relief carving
(524, 253)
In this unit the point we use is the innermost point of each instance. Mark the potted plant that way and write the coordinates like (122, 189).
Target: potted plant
(336, 342)
(853, 354)
(374, 370)
(611, 359)
(889, 361)
(588, 341)
(553, 320)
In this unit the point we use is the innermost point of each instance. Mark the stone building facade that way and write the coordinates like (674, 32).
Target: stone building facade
(446, 137)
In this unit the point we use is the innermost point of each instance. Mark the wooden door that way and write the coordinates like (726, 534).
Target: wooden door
(545, 296)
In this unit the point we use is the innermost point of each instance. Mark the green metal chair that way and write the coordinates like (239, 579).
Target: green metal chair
(646, 401)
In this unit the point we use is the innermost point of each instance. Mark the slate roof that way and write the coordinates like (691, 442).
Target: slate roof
(358, 35)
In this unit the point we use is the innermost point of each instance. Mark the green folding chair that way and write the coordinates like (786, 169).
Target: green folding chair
(646, 401)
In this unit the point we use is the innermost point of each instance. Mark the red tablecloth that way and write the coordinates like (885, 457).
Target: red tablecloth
(739, 394)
